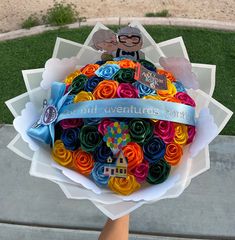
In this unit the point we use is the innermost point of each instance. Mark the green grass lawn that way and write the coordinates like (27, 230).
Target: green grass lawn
(204, 46)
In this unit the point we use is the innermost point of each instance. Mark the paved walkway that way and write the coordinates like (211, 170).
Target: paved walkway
(35, 209)
(211, 24)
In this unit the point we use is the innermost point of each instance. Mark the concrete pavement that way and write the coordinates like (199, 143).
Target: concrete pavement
(37, 209)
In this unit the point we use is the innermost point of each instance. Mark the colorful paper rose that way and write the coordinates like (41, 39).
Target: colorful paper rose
(107, 71)
(143, 90)
(125, 75)
(70, 138)
(154, 149)
(78, 84)
(158, 172)
(91, 83)
(126, 90)
(90, 138)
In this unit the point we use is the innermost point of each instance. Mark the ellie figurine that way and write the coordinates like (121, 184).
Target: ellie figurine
(106, 41)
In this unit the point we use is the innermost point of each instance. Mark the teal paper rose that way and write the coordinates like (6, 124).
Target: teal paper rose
(107, 71)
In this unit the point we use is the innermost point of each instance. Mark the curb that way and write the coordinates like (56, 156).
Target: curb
(198, 23)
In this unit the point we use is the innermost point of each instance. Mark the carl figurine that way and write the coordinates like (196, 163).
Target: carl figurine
(129, 43)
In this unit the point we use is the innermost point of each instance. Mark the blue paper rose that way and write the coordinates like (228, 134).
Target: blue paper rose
(102, 153)
(98, 174)
(143, 89)
(107, 71)
(179, 86)
(91, 83)
(154, 149)
(70, 138)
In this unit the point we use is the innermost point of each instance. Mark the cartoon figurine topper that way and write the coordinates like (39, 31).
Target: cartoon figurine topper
(129, 43)
(106, 41)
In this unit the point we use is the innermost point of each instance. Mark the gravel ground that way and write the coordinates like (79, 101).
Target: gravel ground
(12, 13)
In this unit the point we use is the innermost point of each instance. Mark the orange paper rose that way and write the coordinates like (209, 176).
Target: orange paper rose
(89, 70)
(134, 154)
(124, 186)
(126, 63)
(61, 155)
(173, 153)
(168, 75)
(106, 89)
(82, 162)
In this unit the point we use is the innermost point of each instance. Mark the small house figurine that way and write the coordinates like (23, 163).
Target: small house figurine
(116, 168)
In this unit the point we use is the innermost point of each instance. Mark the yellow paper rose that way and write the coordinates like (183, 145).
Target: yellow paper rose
(68, 80)
(61, 155)
(170, 92)
(181, 134)
(83, 96)
(124, 186)
(152, 97)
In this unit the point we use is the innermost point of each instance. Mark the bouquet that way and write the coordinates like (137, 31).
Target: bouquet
(118, 123)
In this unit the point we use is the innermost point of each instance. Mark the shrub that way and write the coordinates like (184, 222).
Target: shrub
(163, 13)
(31, 21)
(61, 14)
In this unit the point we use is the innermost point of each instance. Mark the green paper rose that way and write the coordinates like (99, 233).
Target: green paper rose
(147, 65)
(78, 84)
(125, 75)
(158, 172)
(90, 138)
(140, 130)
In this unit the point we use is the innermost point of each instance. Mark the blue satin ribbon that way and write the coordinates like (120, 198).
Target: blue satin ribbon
(40, 131)
(111, 108)
(130, 108)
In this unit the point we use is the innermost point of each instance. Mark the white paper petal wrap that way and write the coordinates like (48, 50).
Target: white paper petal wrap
(195, 159)
(57, 69)
(181, 69)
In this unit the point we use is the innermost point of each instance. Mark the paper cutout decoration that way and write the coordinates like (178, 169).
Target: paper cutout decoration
(116, 168)
(127, 43)
(106, 41)
(117, 136)
(130, 42)
(150, 78)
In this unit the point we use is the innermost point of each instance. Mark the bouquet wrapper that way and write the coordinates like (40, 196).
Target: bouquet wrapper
(76, 186)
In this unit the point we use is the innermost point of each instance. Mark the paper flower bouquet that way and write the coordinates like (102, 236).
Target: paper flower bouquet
(118, 123)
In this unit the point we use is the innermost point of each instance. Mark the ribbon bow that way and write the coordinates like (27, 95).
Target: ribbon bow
(43, 130)
(128, 53)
